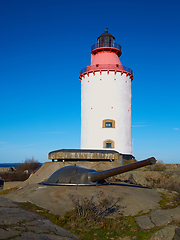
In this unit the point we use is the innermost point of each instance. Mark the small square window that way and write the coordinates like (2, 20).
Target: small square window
(117, 65)
(108, 124)
(108, 145)
(97, 65)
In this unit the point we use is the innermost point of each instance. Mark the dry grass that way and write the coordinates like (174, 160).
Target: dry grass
(96, 208)
(29, 164)
(22, 172)
(158, 166)
(169, 183)
(176, 222)
(163, 181)
(14, 176)
(129, 161)
(3, 192)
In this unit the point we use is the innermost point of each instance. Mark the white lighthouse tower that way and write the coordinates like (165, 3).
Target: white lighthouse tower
(106, 99)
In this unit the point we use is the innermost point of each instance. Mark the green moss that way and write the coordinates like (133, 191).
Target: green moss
(169, 201)
(164, 201)
(3, 192)
(107, 228)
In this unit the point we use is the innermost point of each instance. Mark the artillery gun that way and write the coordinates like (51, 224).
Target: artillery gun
(76, 175)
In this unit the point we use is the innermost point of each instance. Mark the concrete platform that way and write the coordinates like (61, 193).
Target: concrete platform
(88, 155)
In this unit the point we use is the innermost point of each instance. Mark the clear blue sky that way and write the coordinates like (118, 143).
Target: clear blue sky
(43, 46)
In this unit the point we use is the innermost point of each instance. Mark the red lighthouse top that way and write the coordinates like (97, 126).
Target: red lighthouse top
(105, 57)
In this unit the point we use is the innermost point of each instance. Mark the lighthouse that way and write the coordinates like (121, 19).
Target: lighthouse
(106, 99)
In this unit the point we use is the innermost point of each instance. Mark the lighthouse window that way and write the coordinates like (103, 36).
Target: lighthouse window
(97, 65)
(108, 123)
(108, 143)
(117, 65)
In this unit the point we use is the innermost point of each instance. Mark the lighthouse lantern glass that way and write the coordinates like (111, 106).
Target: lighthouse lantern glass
(106, 41)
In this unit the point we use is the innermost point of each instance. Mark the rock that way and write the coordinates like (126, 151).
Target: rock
(177, 234)
(158, 218)
(1, 182)
(144, 222)
(14, 216)
(4, 234)
(34, 236)
(166, 233)
(20, 224)
(163, 217)
(7, 203)
(134, 177)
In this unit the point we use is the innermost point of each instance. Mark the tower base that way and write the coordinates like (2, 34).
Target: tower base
(89, 155)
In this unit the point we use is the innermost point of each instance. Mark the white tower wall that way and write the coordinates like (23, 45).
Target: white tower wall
(106, 96)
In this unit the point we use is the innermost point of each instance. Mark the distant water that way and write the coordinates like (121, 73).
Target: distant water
(8, 164)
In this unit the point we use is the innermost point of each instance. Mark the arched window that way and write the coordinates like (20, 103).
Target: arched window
(108, 143)
(108, 123)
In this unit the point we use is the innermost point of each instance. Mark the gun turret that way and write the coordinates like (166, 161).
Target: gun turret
(76, 175)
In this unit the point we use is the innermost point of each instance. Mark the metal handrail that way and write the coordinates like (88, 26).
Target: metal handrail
(106, 67)
(105, 44)
(83, 70)
(129, 70)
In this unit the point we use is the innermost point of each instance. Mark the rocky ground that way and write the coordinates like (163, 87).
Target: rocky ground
(16, 223)
(161, 218)
(133, 188)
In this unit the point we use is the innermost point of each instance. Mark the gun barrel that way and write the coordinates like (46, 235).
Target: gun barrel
(97, 176)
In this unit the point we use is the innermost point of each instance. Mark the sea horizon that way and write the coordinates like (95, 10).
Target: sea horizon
(9, 164)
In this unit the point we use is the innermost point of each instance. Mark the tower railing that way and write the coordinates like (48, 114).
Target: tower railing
(105, 44)
(105, 67)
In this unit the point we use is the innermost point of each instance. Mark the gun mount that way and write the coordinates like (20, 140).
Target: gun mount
(76, 175)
